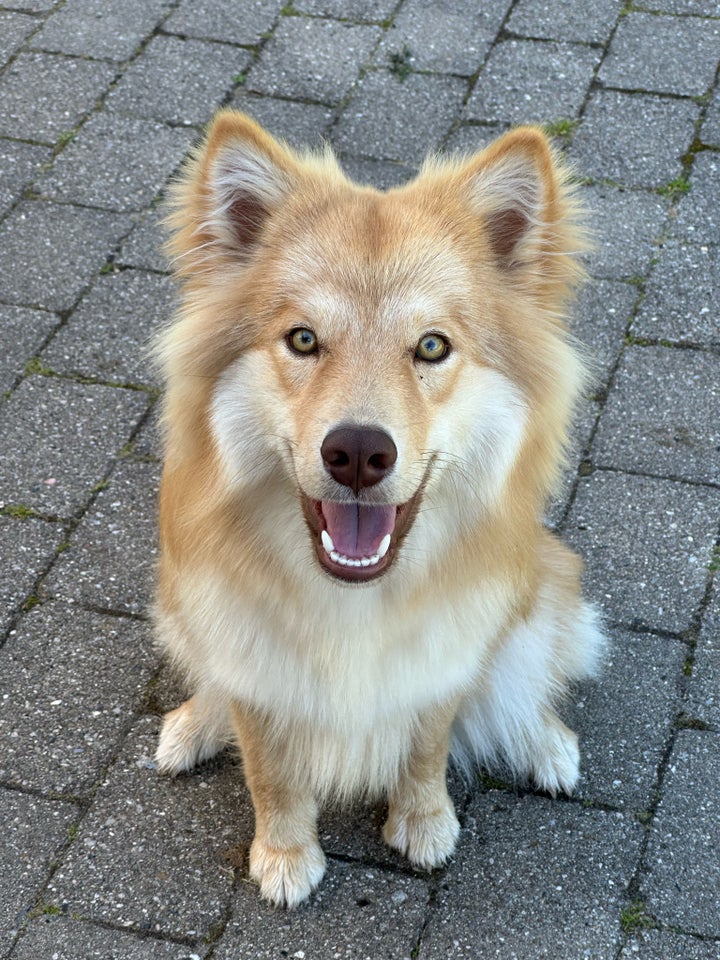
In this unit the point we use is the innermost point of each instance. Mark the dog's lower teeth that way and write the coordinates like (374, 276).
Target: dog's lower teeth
(349, 561)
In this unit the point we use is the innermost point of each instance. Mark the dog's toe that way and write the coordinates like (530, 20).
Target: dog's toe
(286, 876)
(427, 839)
(557, 768)
(188, 736)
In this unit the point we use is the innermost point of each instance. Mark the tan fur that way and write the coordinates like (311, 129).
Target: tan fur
(334, 687)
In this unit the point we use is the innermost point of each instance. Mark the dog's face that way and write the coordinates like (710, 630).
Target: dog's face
(377, 348)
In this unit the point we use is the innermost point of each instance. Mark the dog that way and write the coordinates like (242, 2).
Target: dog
(366, 408)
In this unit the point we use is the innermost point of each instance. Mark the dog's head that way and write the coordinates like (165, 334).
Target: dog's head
(375, 355)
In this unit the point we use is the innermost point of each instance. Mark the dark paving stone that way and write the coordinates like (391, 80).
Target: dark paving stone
(20, 163)
(381, 174)
(59, 440)
(348, 9)
(710, 130)
(15, 28)
(63, 938)
(357, 912)
(599, 320)
(625, 717)
(23, 333)
(647, 544)
(110, 560)
(35, 830)
(152, 853)
(662, 415)
(393, 120)
(60, 248)
(69, 680)
(533, 879)
(108, 334)
(663, 54)
(94, 28)
(178, 81)
(299, 124)
(117, 163)
(698, 217)
(558, 20)
(470, 137)
(144, 246)
(627, 228)
(528, 81)
(244, 23)
(681, 303)
(664, 945)
(313, 59)
(36, 6)
(45, 96)
(703, 700)
(634, 140)
(683, 856)
(26, 548)
(425, 34)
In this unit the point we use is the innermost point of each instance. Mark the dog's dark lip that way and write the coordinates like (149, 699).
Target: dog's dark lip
(405, 516)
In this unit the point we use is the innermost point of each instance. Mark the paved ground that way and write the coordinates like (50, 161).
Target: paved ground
(99, 101)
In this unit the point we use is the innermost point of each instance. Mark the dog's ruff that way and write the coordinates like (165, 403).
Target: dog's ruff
(367, 403)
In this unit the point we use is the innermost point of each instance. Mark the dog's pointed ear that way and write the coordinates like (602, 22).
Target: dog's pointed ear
(516, 186)
(227, 193)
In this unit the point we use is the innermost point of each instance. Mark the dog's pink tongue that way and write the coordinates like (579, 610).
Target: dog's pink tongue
(357, 529)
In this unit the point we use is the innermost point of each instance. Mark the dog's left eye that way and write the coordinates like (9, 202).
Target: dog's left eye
(432, 347)
(302, 341)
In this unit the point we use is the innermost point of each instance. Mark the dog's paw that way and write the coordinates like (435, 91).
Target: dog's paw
(556, 766)
(286, 876)
(426, 839)
(188, 736)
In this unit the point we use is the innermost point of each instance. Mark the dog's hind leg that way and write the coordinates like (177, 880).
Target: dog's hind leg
(421, 821)
(195, 731)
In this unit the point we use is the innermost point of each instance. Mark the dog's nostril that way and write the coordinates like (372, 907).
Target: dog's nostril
(358, 457)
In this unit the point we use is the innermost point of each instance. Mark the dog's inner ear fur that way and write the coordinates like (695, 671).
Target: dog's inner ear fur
(505, 229)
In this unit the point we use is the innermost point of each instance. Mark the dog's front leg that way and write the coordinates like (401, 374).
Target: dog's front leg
(421, 821)
(285, 856)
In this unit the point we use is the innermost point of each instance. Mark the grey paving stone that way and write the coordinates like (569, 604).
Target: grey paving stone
(69, 680)
(710, 129)
(624, 719)
(178, 81)
(144, 245)
(683, 856)
(94, 28)
(357, 912)
(663, 415)
(63, 938)
(599, 319)
(528, 81)
(703, 699)
(34, 831)
(110, 561)
(663, 54)
(698, 8)
(147, 442)
(15, 28)
(38, 6)
(471, 137)
(698, 216)
(108, 334)
(559, 20)
(381, 174)
(300, 124)
(627, 229)
(533, 879)
(348, 9)
(246, 22)
(19, 164)
(117, 163)
(635, 140)
(664, 945)
(681, 303)
(392, 120)
(647, 544)
(23, 333)
(430, 31)
(45, 96)
(59, 248)
(26, 548)
(313, 59)
(152, 852)
(59, 440)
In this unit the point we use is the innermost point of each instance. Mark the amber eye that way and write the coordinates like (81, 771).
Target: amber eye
(432, 347)
(302, 341)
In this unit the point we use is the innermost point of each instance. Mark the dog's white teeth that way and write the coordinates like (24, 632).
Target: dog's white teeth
(327, 542)
(365, 562)
(384, 546)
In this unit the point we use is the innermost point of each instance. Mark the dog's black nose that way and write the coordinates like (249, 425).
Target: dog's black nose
(358, 457)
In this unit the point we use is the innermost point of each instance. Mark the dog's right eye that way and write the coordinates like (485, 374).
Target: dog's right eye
(302, 340)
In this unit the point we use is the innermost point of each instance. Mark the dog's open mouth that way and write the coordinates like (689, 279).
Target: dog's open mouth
(358, 541)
